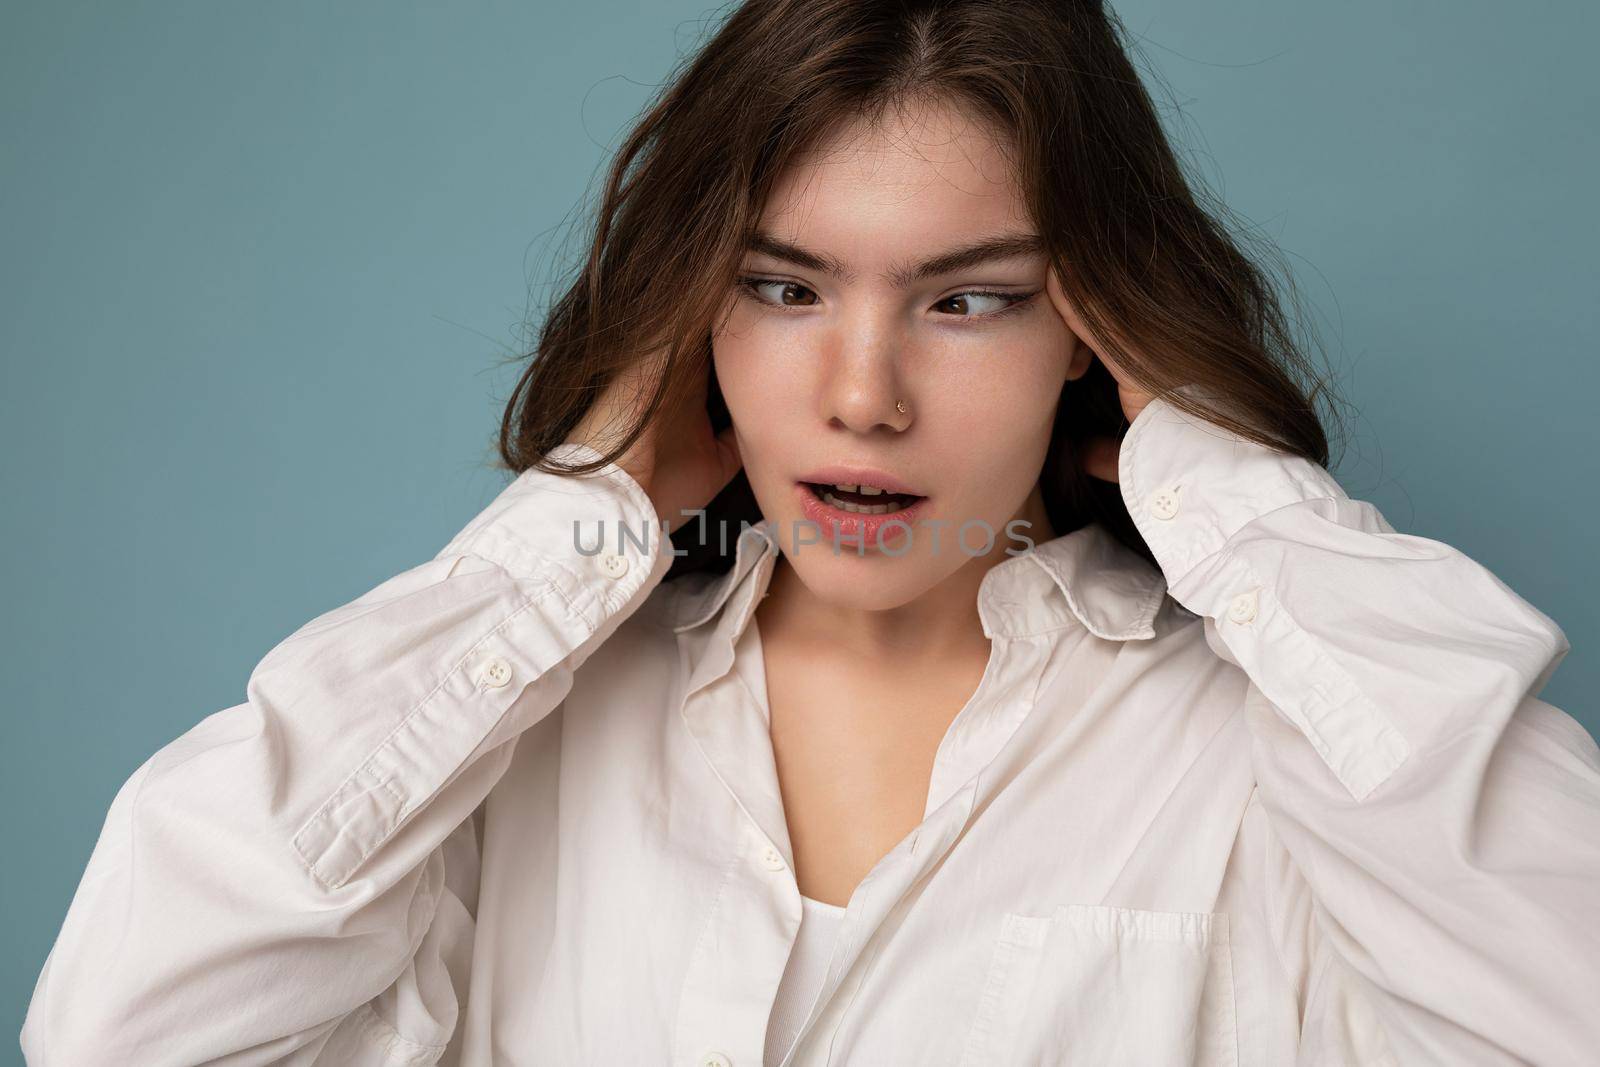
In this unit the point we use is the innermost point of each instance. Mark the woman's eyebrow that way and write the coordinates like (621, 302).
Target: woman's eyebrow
(1001, 246)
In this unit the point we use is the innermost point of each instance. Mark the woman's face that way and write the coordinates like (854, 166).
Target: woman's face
(845, 308)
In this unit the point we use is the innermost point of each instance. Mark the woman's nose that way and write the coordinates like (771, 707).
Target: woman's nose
(862, 384)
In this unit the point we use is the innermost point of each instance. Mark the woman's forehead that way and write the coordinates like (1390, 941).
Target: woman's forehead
(938, 172)
(903, 150)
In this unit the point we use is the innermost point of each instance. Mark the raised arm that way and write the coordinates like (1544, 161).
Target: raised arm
(262, 884)
(1441, 824)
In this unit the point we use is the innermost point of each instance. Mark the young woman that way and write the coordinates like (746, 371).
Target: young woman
(1018, 686)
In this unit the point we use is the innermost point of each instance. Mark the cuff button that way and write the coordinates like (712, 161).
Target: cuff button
(1242, 608)
(614, 565)
(1164, 502)
(495, 673)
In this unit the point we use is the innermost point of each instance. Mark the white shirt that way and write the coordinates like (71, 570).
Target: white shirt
(1289, 798)
(820, 922)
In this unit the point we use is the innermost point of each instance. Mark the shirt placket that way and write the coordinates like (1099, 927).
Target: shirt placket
(735, 968)
(754, 914)
(979, 731)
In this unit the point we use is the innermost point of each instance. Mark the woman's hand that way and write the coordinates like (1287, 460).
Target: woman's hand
(1100, 454)
(677, 460)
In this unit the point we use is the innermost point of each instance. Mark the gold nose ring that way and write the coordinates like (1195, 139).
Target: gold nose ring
(900, 406)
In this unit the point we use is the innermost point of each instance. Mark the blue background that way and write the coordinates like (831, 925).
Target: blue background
(262, 267)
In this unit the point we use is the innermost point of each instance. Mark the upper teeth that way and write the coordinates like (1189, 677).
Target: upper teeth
(860, 509)
(864, 490)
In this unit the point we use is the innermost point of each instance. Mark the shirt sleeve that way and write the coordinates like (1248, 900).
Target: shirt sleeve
(1433, 826)
(264, 887)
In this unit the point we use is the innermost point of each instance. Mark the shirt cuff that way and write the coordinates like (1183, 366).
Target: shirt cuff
(610, 545)
(1189, 485)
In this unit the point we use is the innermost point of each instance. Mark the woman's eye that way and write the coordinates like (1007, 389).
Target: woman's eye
(979, 304)
(782, 289)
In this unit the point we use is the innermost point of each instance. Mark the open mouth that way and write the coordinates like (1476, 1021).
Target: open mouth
(862, 499)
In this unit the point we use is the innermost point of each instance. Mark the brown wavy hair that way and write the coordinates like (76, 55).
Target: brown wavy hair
(1141, 249)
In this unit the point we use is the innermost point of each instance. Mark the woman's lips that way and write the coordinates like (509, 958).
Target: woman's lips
(874, 531)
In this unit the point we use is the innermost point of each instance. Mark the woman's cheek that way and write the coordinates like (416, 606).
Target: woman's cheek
(1018, 383)
(758, 380)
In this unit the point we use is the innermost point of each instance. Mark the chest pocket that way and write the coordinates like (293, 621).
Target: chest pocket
(1102, 985)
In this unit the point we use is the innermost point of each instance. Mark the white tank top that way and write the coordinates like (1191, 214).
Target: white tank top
(802, 977)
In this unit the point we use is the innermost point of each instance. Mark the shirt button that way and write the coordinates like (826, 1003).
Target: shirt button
(714, 1059)
(495, 673)
(1164, 502)
(1243, 607)
(614, 565)
(773, 859)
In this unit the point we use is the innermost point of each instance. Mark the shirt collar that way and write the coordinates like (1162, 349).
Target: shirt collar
(1086, 575)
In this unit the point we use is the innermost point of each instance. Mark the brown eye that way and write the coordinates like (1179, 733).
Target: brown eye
(962, 303)
(785, 290)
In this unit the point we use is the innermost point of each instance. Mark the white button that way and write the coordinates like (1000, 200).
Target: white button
(714, 1059)
(1164, 502)
(614, 565)
(495, 673)
(1243, 607)
(773, 859)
